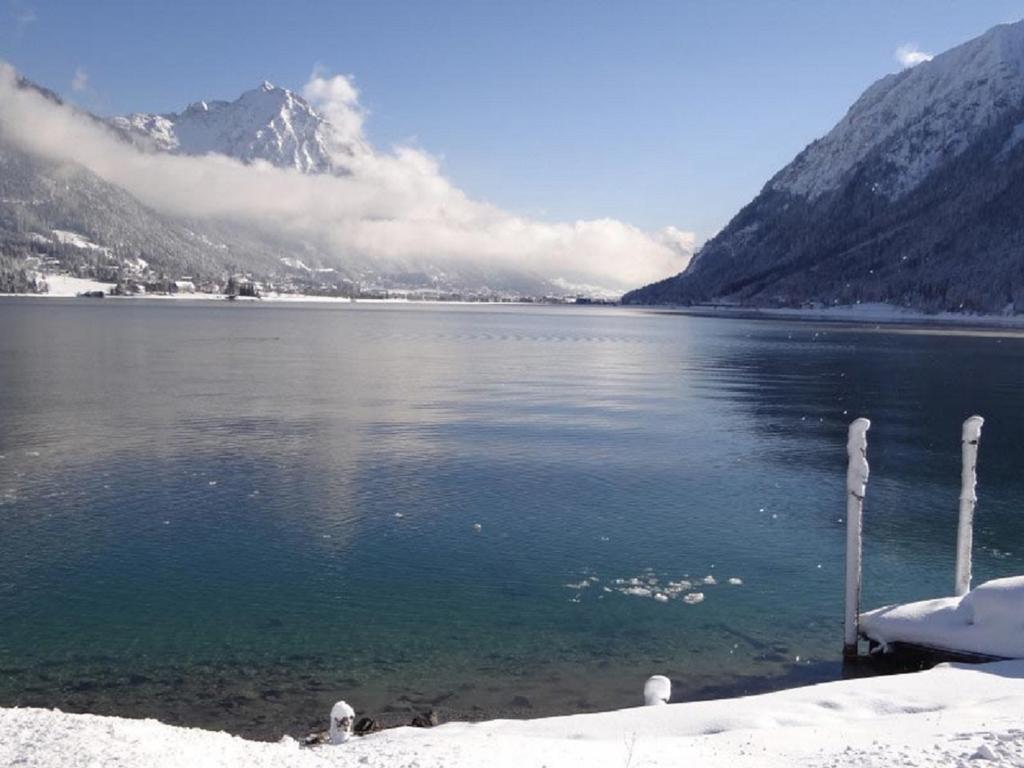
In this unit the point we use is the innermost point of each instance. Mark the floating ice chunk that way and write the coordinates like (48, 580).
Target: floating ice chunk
(675, 587)
(638, 591)
(709, 579)
(477, 527)
(657, 690)
(693, 598)
(578, 585)
(212, 482)
(735, 581)
(399, 515)
(660, 597)
(32, 453)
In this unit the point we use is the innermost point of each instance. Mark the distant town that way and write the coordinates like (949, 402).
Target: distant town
(124, 278)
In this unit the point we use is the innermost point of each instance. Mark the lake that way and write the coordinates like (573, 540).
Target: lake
(231, 515)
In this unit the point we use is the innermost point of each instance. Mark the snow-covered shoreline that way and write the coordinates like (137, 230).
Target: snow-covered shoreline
(953, 715)
(859, 314)
(70, 287)
(84, 286)
(67, 287)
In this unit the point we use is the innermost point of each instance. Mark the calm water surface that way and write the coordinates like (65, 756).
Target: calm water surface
(230, 516)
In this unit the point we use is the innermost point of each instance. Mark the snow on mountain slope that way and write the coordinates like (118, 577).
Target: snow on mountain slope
(918, 118)
(267, 123)
(911, 200)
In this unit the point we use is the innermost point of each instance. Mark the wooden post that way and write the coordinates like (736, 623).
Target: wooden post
(968, 499)
(856, 487)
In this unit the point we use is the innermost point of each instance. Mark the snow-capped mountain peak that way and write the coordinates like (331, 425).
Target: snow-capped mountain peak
(266, 123)
(917, 119)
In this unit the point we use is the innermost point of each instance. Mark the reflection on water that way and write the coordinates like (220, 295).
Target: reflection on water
(228, 515)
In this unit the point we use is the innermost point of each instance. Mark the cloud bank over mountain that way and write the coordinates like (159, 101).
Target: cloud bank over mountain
(392, 207)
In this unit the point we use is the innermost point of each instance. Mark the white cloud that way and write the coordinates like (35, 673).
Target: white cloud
(910, 55)
(337, 99)
(395, 207)
(80, 81)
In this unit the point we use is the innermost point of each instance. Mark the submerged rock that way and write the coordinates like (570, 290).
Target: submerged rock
(365, 725)
(316, 738)
(428, 720)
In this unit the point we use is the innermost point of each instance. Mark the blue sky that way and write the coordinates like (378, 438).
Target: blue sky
(656, 113)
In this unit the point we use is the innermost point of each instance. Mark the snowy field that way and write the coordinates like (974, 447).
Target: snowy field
(66, 285)
(949, 716)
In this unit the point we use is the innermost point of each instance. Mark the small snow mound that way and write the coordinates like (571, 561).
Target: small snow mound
(657, 690)
(996, 602)
(984, 752)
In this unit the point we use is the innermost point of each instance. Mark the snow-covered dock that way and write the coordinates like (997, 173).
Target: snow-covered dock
(981, 625)
(987, 622)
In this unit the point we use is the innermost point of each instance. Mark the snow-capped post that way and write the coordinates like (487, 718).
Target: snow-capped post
(856, 487)
(968, 498)
(657, 690)
(342, 720)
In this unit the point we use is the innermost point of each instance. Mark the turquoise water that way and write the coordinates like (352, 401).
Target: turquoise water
(230, 516)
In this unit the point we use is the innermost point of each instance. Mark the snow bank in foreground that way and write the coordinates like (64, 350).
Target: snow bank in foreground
(988, 620)
(949, 716)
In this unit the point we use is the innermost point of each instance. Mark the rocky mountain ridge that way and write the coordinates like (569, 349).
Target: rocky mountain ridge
(912, 199)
